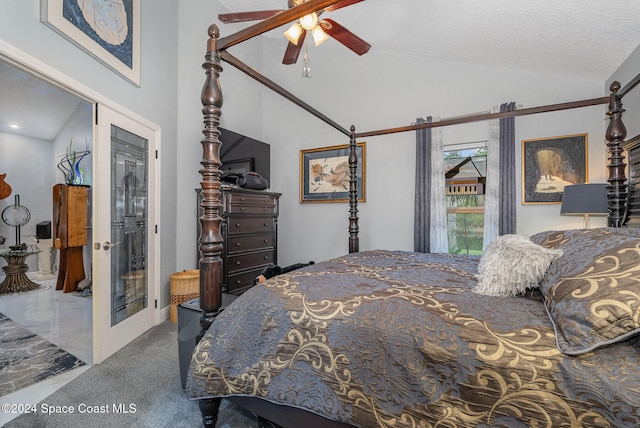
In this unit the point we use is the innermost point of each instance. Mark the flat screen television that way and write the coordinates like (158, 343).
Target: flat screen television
(240, 154)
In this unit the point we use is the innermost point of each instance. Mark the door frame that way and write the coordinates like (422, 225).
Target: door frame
(31, 65)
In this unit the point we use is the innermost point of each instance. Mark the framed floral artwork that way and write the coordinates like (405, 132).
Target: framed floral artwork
(324, 174)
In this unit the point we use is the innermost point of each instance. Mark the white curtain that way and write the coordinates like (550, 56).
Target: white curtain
(492, 193)
(439, 242)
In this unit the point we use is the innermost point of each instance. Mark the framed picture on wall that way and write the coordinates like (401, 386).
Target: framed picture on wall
(550, 164)
(324, 174)
(108, 30)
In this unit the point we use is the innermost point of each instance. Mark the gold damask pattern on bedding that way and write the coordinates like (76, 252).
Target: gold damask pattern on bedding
(397, 339)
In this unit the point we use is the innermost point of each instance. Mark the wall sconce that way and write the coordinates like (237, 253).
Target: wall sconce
(585, 199)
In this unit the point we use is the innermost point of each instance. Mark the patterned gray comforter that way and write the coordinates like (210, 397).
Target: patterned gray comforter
(397, 339)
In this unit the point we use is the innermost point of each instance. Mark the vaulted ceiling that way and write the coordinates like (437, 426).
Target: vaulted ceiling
(579, 38)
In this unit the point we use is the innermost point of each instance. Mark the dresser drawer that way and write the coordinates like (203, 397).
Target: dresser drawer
(241, 281)
(250, 204)
(251, 209)
(241, 243)
(249, 260)
(237, 225)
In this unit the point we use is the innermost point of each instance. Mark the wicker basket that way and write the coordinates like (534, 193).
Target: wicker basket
(185, 286)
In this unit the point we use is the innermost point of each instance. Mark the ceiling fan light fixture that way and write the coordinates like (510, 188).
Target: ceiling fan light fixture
(319, 36)
(309, 22)
(293, 33)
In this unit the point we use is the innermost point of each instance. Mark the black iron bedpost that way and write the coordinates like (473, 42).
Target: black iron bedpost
(616, 133)
(354, 243)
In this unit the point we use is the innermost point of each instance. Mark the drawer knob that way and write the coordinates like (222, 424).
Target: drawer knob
(237, 224)
(237, 244)
(238, 263)
(266, 224)
(266, 257)
(238, 282)
(242, 209)
(265, 241)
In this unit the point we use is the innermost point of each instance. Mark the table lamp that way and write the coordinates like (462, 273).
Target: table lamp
(585, 199)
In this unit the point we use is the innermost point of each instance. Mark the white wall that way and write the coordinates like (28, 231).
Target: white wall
(155, 100)
(379, 91)
(27, 163)
(375, 91)
(241, 111)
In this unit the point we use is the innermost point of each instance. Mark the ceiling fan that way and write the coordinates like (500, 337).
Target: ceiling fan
(320, 29)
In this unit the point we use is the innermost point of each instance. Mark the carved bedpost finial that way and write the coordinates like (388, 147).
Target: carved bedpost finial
(615, 135)
(354, 242)
(213, 31)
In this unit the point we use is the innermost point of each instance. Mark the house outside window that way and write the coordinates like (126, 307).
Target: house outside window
(465, 196)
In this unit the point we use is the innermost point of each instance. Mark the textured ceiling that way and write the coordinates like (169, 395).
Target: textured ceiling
(580, 38)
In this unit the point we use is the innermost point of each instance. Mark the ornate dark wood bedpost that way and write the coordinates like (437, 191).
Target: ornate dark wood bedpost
(354, 243)
(210, 240)
(616, 133)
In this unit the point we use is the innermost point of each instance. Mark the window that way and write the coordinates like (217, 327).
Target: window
(466, 170)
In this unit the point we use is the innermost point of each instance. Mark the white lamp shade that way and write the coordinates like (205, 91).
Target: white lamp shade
(293, 33)
(319, 36)
(308, 22)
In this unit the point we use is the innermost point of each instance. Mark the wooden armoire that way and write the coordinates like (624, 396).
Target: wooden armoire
(70, 233)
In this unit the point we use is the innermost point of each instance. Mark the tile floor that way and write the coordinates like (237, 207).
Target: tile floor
(64, 319)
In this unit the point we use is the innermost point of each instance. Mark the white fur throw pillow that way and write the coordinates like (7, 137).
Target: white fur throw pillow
(512, 263)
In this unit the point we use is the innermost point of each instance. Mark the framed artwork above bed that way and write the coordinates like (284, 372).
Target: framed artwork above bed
(324, 174)
(549, 164)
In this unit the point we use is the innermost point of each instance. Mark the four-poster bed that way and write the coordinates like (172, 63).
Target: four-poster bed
(305, 321)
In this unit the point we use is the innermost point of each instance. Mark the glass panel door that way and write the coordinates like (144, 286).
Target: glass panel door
(130, 156)
(126, 247)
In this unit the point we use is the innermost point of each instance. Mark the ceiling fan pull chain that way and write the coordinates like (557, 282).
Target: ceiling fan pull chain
(306, 70)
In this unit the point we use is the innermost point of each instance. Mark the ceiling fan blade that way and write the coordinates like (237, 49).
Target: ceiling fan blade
(293, 50)
(341, 4)
(247, 16)
(345, 36)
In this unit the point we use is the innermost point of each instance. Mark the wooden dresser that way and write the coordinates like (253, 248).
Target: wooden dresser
(249, 233)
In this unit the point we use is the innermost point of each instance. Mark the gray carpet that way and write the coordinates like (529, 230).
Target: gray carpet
(26, 358)
(144, 379)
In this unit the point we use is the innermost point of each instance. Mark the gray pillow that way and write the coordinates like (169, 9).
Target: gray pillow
(512, 263)
(592, 292)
